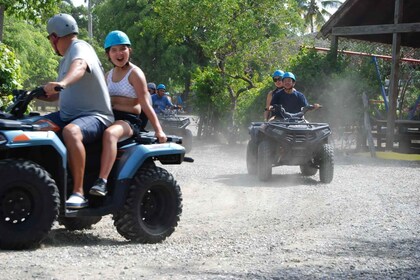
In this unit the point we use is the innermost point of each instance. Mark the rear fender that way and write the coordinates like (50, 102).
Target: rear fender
(133, 157)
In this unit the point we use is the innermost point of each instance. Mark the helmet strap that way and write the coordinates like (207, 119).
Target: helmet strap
(55, 39)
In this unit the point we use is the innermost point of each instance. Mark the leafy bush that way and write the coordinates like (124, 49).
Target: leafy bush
(10, 74)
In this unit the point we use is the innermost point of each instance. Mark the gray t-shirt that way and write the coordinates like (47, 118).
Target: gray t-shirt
(89, 96)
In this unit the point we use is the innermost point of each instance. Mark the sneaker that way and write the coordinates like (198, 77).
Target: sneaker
(76, 201)
(99, 188)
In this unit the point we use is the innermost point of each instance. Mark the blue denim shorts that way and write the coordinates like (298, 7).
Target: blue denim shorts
(91, 127)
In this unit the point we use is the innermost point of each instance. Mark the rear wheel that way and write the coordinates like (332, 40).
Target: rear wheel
(29, 204)
(252, 157)
(265, 160)
(187, 140)
(152, 208)
(326, 165)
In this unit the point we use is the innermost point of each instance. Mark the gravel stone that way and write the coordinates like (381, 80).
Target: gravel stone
(364, 225)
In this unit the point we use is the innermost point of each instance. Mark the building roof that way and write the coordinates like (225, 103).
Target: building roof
(373, 21)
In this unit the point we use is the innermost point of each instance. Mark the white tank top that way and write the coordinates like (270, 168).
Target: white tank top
(121, 88)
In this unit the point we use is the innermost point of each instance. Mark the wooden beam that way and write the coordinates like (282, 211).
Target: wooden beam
(376, 29)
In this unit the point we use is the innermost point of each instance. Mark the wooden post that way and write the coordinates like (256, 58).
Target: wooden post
(395, 69)
(368, 127)
(334, 49)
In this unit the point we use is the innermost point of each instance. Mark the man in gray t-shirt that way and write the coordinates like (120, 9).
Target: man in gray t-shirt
(85, 106)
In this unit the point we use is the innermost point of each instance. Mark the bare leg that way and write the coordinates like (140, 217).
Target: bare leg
(73, 137)
(119, 130)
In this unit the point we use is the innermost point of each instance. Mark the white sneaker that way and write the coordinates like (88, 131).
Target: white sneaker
(76, 201)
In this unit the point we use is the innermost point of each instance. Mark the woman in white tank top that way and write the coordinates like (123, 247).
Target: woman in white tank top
(129, 96)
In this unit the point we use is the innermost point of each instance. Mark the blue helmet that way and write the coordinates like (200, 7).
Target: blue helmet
(116, 37)
(277, 73)
(161, 86)
(289, 75)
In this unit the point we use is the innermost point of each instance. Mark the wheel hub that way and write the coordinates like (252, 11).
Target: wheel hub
(16, 206)
(152, 208)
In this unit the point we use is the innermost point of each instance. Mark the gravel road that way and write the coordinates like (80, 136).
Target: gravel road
(364, 225)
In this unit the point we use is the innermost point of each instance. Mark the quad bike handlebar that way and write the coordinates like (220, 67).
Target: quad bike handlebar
(22, 98)
(279, 111)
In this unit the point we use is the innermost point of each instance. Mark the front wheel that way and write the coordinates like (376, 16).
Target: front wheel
(265, 160)
(152, 208)
(29, 204)
(252, 157)
(326, 165)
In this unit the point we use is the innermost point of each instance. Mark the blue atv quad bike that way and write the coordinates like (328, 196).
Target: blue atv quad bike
(144, 199)
(290, 140)
(176, 124)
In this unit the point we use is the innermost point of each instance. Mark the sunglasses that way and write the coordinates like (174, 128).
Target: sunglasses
(276, 79)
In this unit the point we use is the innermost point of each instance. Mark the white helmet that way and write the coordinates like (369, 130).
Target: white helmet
(62, 25)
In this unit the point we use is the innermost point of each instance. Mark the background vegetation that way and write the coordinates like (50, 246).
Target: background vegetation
(217, 55)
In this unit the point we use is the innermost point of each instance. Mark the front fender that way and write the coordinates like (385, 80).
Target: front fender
(23, 139)
(134, 156)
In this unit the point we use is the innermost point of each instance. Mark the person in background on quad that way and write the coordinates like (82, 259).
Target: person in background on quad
(85, 107)
(168, 95)
(277, 79)
(151, 87)
(129, 96)
(161, 100)
(291, 99)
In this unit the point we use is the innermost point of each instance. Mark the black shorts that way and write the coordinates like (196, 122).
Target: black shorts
(133, 120)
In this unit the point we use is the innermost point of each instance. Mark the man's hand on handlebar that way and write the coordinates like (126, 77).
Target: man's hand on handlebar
(52, 88)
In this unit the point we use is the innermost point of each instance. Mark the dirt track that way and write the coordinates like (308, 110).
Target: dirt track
(365, 224)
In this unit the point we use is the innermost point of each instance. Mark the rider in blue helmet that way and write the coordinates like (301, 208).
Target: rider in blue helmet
(289, 75)
(161, 86)
(160, 100)
(127, 87)
(291, 99)
(116, 38)
(277, 79)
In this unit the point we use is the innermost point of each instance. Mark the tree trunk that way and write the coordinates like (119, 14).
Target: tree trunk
(1, 22)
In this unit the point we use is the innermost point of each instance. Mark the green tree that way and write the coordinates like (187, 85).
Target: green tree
(234, 36)
(163, 61)
(10, 75)
(33, 11)
(37, 59)
(315, 12)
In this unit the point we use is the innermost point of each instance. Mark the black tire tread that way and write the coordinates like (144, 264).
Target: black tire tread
(326, 166)
(265, 162)
(128, 221)
(252, 157)
(44, 190)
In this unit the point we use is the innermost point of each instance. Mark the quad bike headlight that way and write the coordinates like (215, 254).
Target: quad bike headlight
(278, 131)
(3, 139)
